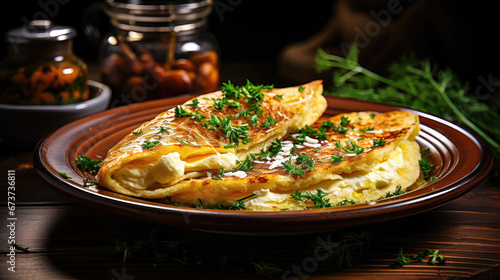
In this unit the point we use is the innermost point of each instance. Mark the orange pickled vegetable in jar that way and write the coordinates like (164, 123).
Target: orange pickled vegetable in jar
(40, 68)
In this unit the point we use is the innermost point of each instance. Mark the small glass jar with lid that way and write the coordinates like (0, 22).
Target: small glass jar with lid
(40, 67)
(158, 49)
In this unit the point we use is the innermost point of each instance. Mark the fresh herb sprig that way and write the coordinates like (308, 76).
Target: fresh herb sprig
(426, 166)
(87, 164)
(318, 199)
(350, 147)
(232, 97)
(301, 164)
(417, 84)
(397, 191)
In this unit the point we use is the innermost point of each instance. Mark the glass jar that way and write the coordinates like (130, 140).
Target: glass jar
(40, 67)
(158, 49)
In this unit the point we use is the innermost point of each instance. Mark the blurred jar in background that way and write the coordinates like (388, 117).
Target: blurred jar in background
(158, 49)
(40, 67)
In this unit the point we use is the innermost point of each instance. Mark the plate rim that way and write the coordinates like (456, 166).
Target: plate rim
(310, 218)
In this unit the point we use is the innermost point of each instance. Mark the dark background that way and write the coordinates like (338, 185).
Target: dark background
(256, 30)
(250, 30)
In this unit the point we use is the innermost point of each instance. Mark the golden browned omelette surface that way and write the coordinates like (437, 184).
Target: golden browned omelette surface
(205, 134)
(356, 157)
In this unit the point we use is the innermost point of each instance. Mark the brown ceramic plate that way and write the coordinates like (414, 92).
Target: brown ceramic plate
(462, 160)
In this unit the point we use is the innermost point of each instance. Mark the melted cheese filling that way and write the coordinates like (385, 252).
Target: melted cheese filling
(170, 168)
(380, 176)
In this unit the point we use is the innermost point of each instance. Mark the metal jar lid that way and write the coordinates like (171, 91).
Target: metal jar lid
(158, 15)
(40, 30)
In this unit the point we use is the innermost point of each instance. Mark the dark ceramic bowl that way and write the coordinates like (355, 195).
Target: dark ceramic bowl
(25, 125)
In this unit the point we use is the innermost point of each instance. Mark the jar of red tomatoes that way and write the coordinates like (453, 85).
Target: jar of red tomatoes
(40, 67)
(158, 49)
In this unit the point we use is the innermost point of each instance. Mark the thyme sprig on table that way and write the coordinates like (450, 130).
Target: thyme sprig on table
(417, 84)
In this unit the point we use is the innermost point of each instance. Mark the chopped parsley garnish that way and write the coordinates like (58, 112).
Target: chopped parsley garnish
(308, 131)
(337, 159)
(275, 148)
(269, 121)
(138, 132)
(87, 164)
(350, 148)
(245, 165)
(397, 191)
(378, 143)
(163, 130)
(235, 133)
(301, 89)
(318, 199)
(149, 144)
(366, 129)
(87, 183)
(238, 205)
(252, 92)
(215, 121)
(194, 103)
(219, 103)
(186, 143)
(426, 166)
(64, 175)
(180, 112)
(232, 96)
(341, 128)
(345, 202)
(254, 119)
(302, 163)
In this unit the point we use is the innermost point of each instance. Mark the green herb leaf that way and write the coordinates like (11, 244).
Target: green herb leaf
(397, 191)
(180, 112)
(194, 103)
(378, 143)
(269, 121)
(426, 167)
(87, 164)
(185, 143)
(337, 159)
(149, 144)
(318, 199)
(138, 132)
(163, 130)
(401, 259)
(64, 175)
(350, 148)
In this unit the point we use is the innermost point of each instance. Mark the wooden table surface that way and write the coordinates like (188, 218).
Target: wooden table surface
(68, 241)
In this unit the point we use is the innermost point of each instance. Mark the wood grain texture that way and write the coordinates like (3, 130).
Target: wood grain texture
(69, 241)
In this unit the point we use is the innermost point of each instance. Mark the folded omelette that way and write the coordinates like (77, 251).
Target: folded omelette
(207, 134)
(349, 158)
